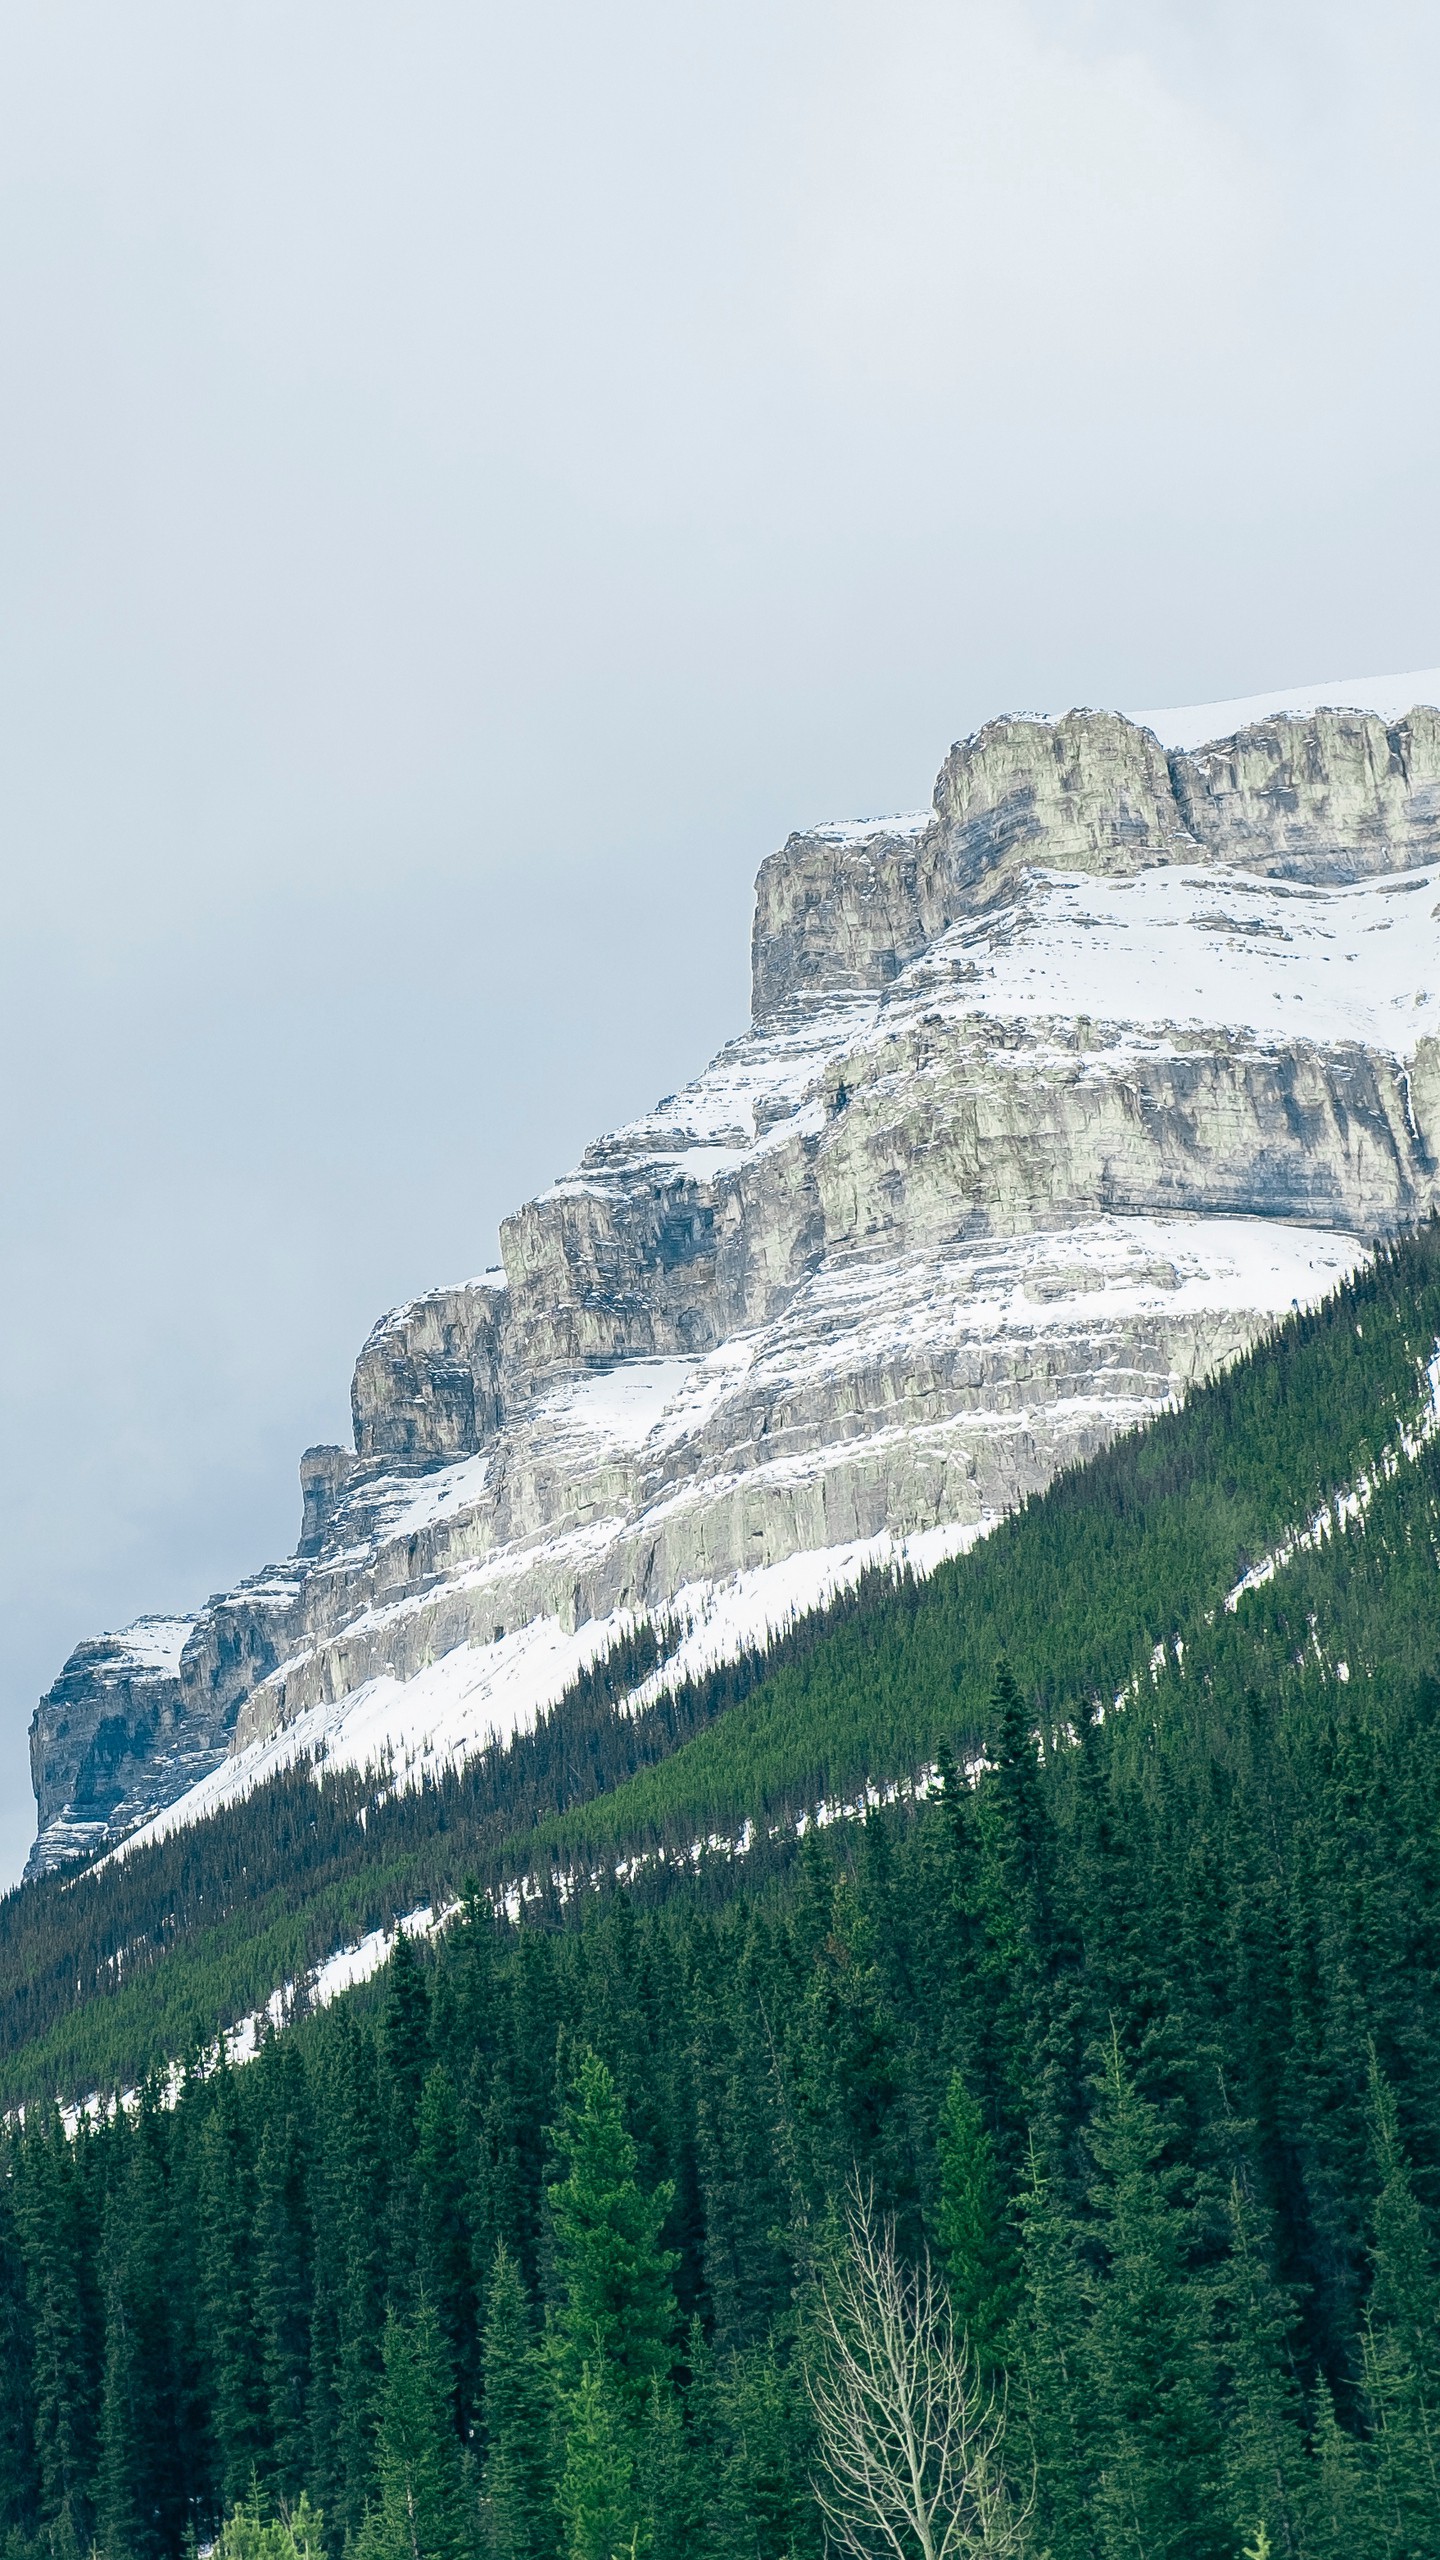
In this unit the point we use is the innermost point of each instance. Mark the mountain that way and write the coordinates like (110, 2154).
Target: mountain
(1055, 1096)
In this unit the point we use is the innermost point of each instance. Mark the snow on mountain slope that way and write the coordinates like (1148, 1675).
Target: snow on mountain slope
(1194, 724)
(1053, 1097)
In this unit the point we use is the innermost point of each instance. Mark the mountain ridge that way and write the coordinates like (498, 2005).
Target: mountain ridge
(984, 1183)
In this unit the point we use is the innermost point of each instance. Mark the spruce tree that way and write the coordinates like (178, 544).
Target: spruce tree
(282, 2298)
(616, 2301)
(1267, 2470)
(124, 2528)
(1401, 2344)
(1343, 2521)
(422, 2508)
(58, 2238)
(446, 2272)
(1149, 2361)
(972, 2227)
(1047, 2358)
(19, 2476)
(598, 2497)
(226, 2263)
(517, 2511)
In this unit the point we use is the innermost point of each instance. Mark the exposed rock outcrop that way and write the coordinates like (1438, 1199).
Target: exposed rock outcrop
(1054, 1095)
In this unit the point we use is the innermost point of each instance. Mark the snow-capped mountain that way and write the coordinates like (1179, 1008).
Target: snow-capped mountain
(1055, 1093)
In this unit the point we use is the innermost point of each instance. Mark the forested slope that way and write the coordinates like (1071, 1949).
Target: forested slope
(1132, 2019)
(1117, 1575)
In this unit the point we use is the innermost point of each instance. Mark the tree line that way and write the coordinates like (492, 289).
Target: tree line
(1130, 2041)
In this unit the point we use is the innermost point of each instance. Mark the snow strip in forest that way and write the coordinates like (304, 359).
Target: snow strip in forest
(343, 1971)
(409, 1731)
(1353, 1502)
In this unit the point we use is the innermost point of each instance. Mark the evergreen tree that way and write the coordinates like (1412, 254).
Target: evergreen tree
(124, 2531)
(1267, 2471)
(58, 2237)
(1343, 2521)
(518, 2511)
(405, 2030)
(226, 2263)
(1149, 2362)
(1047, 2351)
(249, 2532)
(19, 2477)
(422, 2509)
(616, 2302)
(1401, 2344)
(763, 2506)
(446, 2273)
(282, 2298)
(343, 2409)
(598, 2498)
(971, 2226)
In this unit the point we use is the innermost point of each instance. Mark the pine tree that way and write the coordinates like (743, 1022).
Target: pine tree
(282, 2297)
(227, 2328)
(1149, 2361)
(971, 2227)
(58, 2238)
(1047, 2355)
(1401, 2344)
(446, 2273)
(518, 2511)
(597, 2497)
(616, 2303)
(421, 2509)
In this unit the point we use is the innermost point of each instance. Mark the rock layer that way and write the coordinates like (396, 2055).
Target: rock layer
(1053, 1097)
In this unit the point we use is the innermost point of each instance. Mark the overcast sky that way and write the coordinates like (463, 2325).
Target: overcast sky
(471, 479)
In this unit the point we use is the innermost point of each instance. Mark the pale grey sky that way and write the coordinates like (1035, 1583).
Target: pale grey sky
(471, 478)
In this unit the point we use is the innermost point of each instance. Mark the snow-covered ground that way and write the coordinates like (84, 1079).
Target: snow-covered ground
(1072, 979)
(1195, 724)
(1176, 948)
(1115, 1271)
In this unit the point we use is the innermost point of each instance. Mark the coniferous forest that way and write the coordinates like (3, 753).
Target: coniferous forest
(1080, 2106)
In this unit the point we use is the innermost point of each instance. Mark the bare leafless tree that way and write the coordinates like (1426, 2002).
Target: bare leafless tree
(910, 2438)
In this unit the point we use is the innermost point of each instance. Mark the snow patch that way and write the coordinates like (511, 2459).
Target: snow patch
(1196, 724)
(154, 1644)
(846, 831)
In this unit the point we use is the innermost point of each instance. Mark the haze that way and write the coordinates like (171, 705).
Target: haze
(471, 479)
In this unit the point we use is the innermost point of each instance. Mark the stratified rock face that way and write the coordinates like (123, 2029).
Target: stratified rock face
(426, 1385)
(1056, 1094)
(104, 1732)
(1337, 797)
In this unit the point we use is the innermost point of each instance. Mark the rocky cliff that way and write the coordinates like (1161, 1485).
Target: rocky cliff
(1054, 1094)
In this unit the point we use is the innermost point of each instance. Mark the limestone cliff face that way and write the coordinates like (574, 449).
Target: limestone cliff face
(1054, 1095)
(1339, 796)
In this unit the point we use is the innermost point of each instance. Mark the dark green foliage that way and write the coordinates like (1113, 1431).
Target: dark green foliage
(972, 2227)
(614, 2300)
(1148, 2359)
(1130, 2013)
(421, 2508)
(517, 2510)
